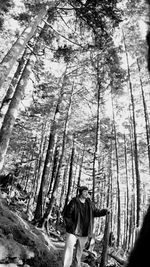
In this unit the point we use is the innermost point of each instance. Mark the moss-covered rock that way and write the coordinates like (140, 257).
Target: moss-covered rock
(21, 242)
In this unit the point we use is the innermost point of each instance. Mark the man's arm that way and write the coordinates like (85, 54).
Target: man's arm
(100, 212)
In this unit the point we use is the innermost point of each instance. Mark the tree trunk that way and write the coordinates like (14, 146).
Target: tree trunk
(49, 154)
(52, 174)
(38, 210)
(70, 176)
(110, 173)
(127, 198)
(145, 115)
(118, 190)
(80, 170)
(12, 112)
(64, 183)
(54, 168)
(105, 243)
(16, 50)
(57, 178)
(118, 179)
(37, 168)
(40, 162)
(136, 160)
(11, 115)
(97, 134)
(136, 157)
(74, 181)
(133, 190)
(14, 82)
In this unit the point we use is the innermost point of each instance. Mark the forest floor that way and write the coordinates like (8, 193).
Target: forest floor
(23, 244)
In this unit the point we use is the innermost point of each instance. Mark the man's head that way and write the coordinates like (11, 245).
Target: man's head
(83, 191)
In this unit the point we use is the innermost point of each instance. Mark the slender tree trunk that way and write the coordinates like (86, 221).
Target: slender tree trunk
(118, 178)
(37, 168)
(80, 170)
(54, 168)
(49, 155)
(133, 190)
(136, 157)
(111, 186)
(118, 189)
(101, 197)
(11, 115)
(57, 178)
(97, 136)
(70, 176)
(145, 115)
(64, 183)
(12, 112)
(14, 82)
(74, 182)
(32, 191)
(40, 162)
(48, 160)
(31, 158)
(130, 225)
(17, 48)
(127, 198)
(105, 242)
(52, 173)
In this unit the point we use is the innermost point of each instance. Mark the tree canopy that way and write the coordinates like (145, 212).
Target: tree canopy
(74, 107)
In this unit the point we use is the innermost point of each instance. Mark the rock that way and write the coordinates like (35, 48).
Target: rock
(20, 262)
(3, 252)
(20, 242)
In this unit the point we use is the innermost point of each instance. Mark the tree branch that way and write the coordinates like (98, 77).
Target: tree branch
(63, 35)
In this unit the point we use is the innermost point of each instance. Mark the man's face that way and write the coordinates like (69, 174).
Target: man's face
(85, 194)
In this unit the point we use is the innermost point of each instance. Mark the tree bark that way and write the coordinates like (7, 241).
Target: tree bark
(14, 82)
(38, 210)
(118, 190)
(136, 156)
(127, 188)
(70, 175)
(133, 189)
(12, 112)
(145, 115)
(17, 48)
(54, 168)
(118, 178)
(80, 170)
(11, 115)
(57, 177)
(105, 242)
(110, 174)
(97, 134)
(40, 161)
(64, 183)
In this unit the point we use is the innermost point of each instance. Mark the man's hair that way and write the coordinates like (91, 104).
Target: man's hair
(81, 189)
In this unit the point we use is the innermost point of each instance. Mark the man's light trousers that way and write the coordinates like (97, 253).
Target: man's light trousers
(69, 247)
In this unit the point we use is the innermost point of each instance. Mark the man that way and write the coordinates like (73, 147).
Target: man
(79, 217)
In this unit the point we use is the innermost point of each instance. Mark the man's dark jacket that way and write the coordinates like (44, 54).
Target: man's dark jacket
(72, 213)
